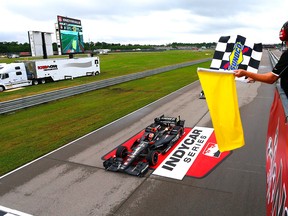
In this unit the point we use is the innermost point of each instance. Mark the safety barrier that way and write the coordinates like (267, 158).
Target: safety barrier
(277, 153)
(25, 102)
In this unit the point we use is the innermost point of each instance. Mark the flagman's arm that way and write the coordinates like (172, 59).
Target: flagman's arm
(268, 77)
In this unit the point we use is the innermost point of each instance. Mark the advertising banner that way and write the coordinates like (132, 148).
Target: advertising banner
(277, 160)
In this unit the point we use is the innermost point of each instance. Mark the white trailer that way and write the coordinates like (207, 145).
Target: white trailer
(26, 73)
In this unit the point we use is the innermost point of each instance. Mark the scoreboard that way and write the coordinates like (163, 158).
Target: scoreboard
(70, 35)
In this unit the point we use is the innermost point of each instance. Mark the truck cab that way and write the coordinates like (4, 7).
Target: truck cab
(13, 76)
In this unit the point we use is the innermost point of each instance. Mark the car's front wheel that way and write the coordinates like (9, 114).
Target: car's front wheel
(121, 152)
(152, 158)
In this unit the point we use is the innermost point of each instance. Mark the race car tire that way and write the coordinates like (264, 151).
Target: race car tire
(121, 152)
(152, 158)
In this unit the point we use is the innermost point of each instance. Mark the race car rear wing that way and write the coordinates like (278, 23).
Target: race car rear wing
(169, 120)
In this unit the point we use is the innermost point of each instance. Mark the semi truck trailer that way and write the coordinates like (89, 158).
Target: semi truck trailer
(36, 72)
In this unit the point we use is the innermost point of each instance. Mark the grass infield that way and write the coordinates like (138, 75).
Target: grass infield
(33, 132)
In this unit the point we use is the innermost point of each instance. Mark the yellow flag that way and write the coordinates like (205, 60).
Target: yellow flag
(220, 91)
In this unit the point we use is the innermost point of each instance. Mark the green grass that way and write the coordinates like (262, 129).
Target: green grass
(30, 133)
(113, 65)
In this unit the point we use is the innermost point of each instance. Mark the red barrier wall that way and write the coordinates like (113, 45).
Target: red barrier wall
(277, 160)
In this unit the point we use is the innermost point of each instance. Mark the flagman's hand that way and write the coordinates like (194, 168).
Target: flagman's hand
(240, 73)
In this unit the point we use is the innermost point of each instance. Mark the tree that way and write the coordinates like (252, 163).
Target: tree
(14, 47)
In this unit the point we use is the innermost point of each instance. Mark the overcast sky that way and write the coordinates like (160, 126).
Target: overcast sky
(147, 21)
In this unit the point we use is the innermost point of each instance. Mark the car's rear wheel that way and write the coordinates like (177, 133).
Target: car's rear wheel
(121, 152)
(152, 158)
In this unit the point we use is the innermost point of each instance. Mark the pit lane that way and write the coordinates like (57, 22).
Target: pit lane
(72, 180)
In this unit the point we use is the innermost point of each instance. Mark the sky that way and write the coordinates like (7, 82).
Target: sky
(157, 22)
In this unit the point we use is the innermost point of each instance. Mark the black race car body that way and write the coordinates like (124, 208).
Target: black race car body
(158, 138)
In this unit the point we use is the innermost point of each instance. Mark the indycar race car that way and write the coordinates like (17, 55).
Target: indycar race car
(157, 139)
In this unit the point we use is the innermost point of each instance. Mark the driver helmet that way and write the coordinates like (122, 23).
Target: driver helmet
(150, 136)
(283, 34)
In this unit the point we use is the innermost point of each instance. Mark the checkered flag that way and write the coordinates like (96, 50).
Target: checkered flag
(236, 52)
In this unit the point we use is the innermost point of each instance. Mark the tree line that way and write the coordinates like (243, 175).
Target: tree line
(15, 47)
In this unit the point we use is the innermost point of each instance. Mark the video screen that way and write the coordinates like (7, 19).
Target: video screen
(71, 35)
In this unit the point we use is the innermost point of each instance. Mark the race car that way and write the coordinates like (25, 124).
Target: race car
(157, 139)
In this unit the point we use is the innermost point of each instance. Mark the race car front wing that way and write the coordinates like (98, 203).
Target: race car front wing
(116, 165)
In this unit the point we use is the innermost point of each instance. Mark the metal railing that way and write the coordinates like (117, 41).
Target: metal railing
(25, 102)
(273, 58)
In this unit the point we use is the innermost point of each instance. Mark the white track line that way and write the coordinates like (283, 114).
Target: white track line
(12, 212)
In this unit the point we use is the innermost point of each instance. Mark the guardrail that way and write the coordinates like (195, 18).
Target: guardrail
(25, 102)
(273, 58)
